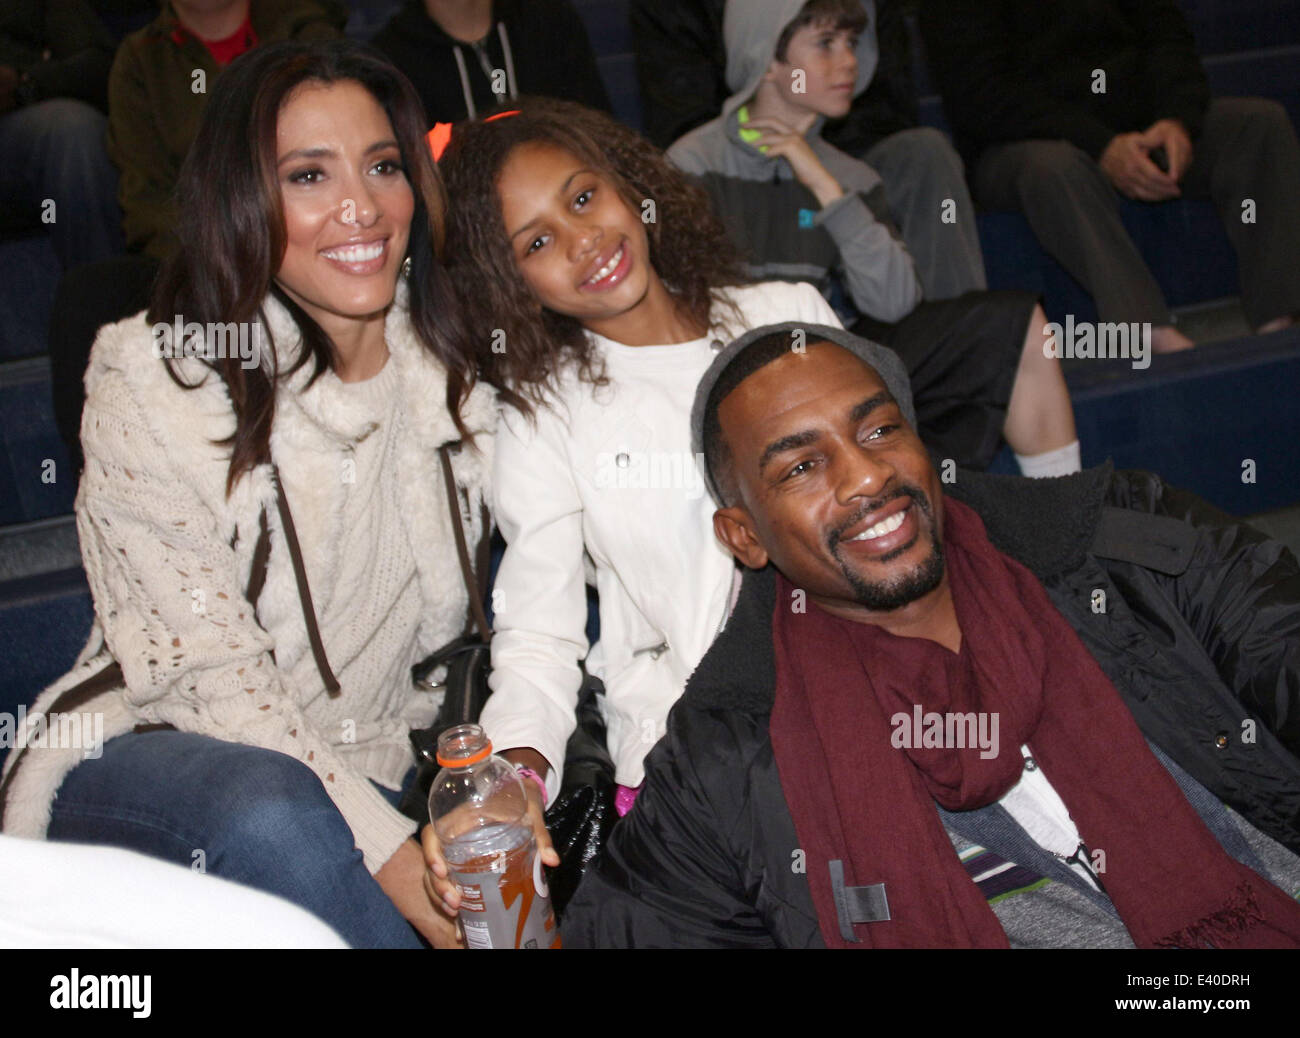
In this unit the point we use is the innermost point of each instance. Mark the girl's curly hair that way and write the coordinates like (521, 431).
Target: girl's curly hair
(689, 248)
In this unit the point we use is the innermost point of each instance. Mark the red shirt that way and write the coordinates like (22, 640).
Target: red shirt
(224, 51)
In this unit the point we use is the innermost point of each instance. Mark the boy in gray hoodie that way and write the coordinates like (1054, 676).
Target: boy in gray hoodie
(802, 210)
(790, 74)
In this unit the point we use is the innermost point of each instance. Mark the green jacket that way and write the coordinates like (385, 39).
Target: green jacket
(154, 106)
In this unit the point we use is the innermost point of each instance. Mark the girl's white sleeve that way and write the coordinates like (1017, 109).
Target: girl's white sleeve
(539, 596)
(814, 308)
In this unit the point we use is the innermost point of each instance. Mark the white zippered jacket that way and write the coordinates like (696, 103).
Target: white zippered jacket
(608, 475)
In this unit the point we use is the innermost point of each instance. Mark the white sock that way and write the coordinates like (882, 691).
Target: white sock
(1060, 462)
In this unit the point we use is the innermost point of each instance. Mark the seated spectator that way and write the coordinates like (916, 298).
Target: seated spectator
(681, 64)
(1062, 108)
(158, 90)
(607, 321)
(801, 209)
(918, 727)
(54, 62)
(467, 57)
(254, 682)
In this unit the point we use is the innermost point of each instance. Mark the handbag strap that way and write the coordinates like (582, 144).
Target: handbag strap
(473, 589)
(111, 676)
(304, 591)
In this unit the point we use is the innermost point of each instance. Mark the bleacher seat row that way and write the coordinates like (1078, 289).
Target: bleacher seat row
(1172, 417)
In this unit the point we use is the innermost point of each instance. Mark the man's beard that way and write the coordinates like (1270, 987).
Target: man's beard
(884, 597)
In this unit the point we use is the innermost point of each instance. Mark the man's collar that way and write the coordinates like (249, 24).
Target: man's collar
(1045, 524)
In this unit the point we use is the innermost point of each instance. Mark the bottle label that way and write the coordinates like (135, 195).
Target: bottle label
(539, 878)
(477, 934)
(504, 898)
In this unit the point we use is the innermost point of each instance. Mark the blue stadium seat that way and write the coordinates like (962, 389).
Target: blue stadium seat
(369, 16)
(1198, 417)
(608, 25)
(619, 73)
(44, 623)
(36, 477)
(29, 274)
(1222, 27)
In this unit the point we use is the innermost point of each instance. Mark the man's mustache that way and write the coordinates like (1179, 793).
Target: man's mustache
(915, 493)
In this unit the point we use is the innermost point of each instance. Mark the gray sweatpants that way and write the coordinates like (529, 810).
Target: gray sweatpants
(1247, 151)
(925, 183)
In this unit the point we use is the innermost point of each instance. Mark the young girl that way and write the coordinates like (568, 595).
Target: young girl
(601, 287)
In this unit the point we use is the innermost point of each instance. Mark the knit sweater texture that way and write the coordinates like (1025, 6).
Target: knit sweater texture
(168, 555)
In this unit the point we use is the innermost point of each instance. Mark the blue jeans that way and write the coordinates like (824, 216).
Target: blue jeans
(54, 151)
(257, 816)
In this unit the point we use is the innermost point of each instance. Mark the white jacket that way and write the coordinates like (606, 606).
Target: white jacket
(610, 473)
(156, 528)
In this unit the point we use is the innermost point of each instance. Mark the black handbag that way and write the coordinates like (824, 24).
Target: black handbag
(580, 818)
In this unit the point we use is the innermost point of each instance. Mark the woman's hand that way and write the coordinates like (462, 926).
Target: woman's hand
(403, 879)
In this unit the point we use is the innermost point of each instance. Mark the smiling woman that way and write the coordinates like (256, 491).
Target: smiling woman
(252, 664)
(347, 211)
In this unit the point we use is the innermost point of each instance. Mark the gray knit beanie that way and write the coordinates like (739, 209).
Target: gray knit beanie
(884, 361)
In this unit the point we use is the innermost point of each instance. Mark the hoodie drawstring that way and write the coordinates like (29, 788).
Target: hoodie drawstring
(510, 61)
(464, 83)
(485, 63)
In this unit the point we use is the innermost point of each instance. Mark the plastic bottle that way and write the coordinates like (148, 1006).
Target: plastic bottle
(480, 812)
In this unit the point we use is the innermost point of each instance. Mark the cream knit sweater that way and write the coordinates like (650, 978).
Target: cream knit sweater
(156, 529)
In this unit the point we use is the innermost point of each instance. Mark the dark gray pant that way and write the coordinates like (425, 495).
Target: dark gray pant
(53, 152)
(922, 172)
(1247, 150)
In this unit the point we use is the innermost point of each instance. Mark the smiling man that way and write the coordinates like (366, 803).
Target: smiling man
(826, 778)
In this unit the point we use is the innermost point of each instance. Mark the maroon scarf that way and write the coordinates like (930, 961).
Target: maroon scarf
(856, 798)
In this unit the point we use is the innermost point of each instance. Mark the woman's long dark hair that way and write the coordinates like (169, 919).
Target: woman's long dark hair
(689, 247)
(232, 228)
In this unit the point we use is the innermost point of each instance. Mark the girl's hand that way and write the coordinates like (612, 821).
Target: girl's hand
(537, 815)
(438, 884)
(530, 758)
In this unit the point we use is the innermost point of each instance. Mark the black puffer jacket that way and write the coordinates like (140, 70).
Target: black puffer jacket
(1200, 634)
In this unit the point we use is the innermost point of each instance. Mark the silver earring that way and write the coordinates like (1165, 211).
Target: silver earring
(406, 267)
